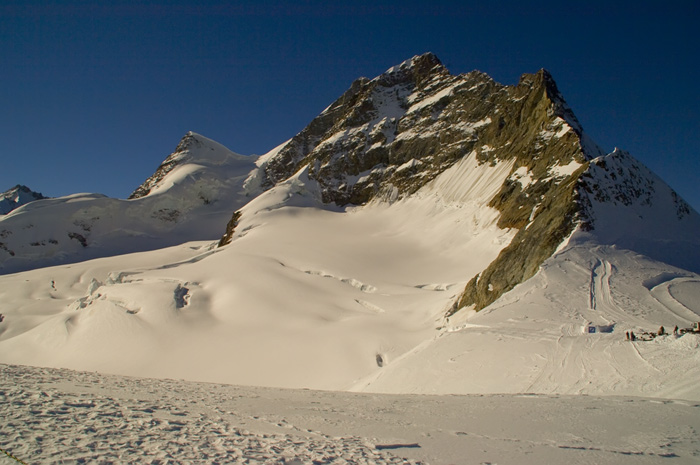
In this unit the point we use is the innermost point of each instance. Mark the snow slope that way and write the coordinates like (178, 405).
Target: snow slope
(536, 337)
(191, 201)
(303, 296)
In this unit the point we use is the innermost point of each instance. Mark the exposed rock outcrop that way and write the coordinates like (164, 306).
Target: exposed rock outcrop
(387, 137)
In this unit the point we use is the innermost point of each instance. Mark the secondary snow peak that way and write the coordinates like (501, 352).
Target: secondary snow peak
(16, 197)
(189, 197)
(193, 148)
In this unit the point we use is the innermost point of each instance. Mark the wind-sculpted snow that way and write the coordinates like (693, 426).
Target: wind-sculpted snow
(679, 294)
(62, 416)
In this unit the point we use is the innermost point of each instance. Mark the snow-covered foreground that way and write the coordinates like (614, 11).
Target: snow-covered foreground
(58, 415)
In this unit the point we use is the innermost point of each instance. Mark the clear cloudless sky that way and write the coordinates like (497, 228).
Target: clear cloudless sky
(95, 94)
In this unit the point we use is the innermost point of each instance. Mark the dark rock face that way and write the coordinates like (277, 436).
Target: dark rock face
(405, 127)
(230, 229)
(555, 218)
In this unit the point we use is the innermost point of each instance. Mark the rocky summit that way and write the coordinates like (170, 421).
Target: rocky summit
(387, 137)
(391, 135)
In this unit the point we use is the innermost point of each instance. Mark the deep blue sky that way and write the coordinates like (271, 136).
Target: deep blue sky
(96, 94)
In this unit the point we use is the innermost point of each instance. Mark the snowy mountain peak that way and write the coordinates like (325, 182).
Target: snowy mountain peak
(189, 197)
(16, 197)
(409, 130)
(622, 202)
(195, 149)
(419, 116)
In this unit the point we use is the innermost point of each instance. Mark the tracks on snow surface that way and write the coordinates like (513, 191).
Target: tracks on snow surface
(52, 415)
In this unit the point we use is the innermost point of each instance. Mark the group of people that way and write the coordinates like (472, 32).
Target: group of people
(630, 336)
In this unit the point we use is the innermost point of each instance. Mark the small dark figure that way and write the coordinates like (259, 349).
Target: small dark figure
(675, 330)
(632, 336)
(662, 331)
(2, 317)
(627, 335)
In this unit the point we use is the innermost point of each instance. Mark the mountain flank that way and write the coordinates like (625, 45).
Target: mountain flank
(386, 138)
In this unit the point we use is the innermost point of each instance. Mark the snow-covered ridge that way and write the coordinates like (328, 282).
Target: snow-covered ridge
(192, 153)
(190, 197)
(627, 205)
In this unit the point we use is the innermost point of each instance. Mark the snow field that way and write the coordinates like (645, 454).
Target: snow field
(54, 415)
(83, 417)
(307, 296)
(302, 297)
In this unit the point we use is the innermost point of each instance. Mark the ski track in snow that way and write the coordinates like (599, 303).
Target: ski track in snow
(366, 288)
(58, 415)
(664, 294)
(601, 296)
